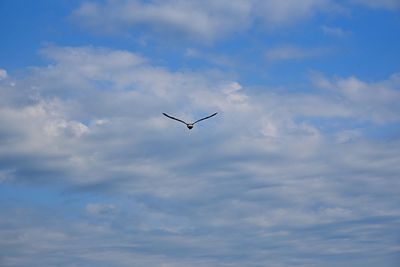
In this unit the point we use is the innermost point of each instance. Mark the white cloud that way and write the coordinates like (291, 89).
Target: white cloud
(91, 105)
(277, 13)
(91, 120)
(91, 108)
(3, 74)
(376, 101)
(203, 21)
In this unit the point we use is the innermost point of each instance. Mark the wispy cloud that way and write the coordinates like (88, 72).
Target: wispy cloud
(203, 21)
(334, 31)
(377, 100)
(3, 74)
(292, 52)
(207, 21)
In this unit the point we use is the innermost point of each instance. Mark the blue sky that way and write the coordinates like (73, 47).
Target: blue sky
(299, 168)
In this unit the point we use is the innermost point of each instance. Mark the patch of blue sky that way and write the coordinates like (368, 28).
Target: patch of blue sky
(14, 196)
(25, 29)
(373, 46)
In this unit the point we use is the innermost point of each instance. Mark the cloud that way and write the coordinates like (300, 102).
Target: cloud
(204, 21)
(264, 182)
(334, 31)
(278, 13)
(3, 74)
(291, 52)
(100, 209)
(199, 20)
(92, 105)
(374, 101)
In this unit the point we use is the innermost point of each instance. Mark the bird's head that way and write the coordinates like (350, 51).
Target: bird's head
(189, 125)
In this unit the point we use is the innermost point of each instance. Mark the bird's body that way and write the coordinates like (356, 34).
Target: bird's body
(189, 125)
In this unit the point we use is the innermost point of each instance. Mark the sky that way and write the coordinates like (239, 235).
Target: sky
(301, 166)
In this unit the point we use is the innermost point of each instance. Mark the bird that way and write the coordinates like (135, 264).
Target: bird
(189, 125)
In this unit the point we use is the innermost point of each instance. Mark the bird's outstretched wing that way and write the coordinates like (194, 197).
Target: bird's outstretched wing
(206, 118)
(174, 118)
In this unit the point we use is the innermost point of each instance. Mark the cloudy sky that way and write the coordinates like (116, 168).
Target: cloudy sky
(301, 166)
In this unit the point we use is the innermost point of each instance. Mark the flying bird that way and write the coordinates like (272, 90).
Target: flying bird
(189, 125)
